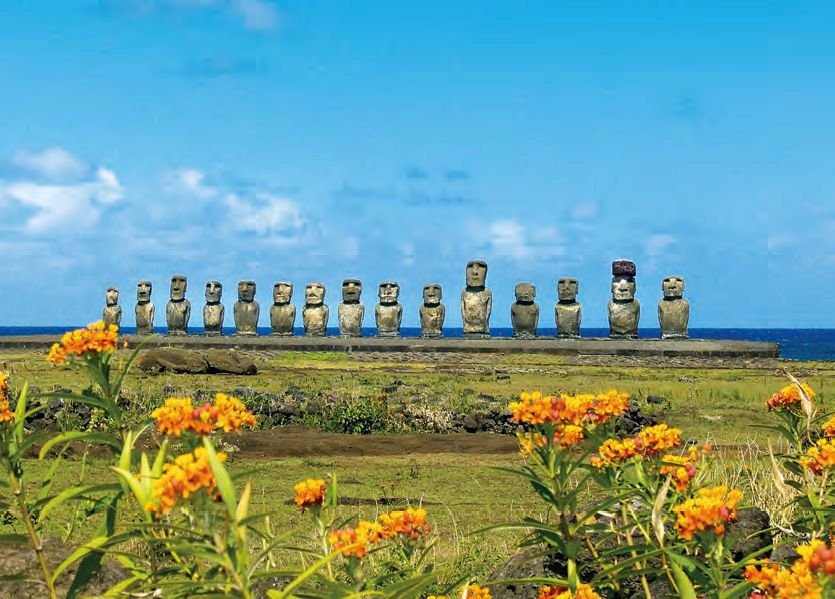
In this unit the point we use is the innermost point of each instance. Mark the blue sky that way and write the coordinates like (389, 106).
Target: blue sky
(308, 140)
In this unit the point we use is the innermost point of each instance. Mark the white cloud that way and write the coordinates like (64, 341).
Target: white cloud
(585, 211)
(190, 182)
(63, 206)
(53, 163)
(274, 217)
(259, 15)
(508, 239)
(655, 245)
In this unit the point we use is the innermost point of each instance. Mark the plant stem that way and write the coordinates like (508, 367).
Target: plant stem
(37, 545)
(644, 583)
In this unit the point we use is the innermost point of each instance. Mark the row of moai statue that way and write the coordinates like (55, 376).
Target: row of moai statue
(476, 308)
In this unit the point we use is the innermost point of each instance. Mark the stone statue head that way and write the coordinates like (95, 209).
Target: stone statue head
(351, 291)
(246, 291)
(214, 291)
(432, 294)
(525, 292)
(388, 292)
(567, 289)
(178, 288)
(623, 289)
(673, 287)
(143, 292)
(111, 296)
(314, 294)
(282, 292)
(476, 273)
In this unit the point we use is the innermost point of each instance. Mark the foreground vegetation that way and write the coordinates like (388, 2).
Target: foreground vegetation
(182, 517)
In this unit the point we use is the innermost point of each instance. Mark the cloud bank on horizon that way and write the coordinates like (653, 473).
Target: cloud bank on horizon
(285, 140)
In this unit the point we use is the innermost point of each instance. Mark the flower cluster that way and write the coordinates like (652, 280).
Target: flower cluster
(94, 340)
(471, 591)
(648, 442)
(805, 579)
(309, 493)
(788, 396)
(188, 474)
(565, 435)
(583, 591)
(579, 410)
(829, 427)
(179, 415)
(680, 468)
(355, 541)
(5, 412)
(821, 456)
(711, 510)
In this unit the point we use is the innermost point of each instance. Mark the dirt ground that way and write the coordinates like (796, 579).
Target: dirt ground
(299, 441)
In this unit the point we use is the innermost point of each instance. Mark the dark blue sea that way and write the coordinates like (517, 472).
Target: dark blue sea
(795, 344)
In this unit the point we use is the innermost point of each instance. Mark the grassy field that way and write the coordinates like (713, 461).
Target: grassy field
(463, 492)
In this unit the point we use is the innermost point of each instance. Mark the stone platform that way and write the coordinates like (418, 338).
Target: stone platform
(543, 345)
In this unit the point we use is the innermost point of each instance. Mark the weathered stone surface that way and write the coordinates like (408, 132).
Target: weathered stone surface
(524, 312)
(315, 311)
(624, 309)
(351, 312)
(213, 311)
(229, 361)
(432, 312)
(389, 312)
(171, 359)
(568, 312)
(673, 309)
(246, 310)
(178, 308)
(112, 312)
(282, 312)
(750, 533)
(144, 308)
(476, 301)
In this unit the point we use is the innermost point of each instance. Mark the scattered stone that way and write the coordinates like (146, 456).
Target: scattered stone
(229, 361)
(656, 399)
(750, 533)
(169, 359)
(243, 392)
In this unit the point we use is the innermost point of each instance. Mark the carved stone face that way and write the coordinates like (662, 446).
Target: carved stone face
(567, 289)
(214, 291)
(389, 292)
(314, 294)
(246, 291)
(673, 287)
(111, 296)
(143, 292)
(351, 290)
(432, 294)
(476, 273)
(525, 292)
(623, 289)
(178, 288)
(282, 292)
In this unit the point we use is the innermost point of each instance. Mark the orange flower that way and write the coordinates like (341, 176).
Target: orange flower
(788, 396)
(615, 451)
(355, 541)
(655, 439)
(5, 412)
(568, 434)
(309, 493)
(94, 340)
(583, 591)
(410, 523)
(178, 415)
(711, 510)
(680, 468)
(820, 457)
(530, 441)
(804, 579)
(829, 427)
(188, 474)
(588, 410)
(473, 591)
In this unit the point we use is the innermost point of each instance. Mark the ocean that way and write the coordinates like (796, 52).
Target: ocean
(795, 344)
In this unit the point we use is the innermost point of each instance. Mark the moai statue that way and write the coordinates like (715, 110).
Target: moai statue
(432, 311)
(476, 301)
(315, 311)
(246, 310)
(567, 312)
(524, 312)
(144, 308)
(673, 309)
(624, 309)
(178, 309)
(351, 312)
(282, 312)
(112, 313)
(213, 311)
(389, 312)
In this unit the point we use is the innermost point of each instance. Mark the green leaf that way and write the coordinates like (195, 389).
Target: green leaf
(71, 493)
(128, 363)
(89, 437)
(20, 414)
(135, 487)
(287, 591)
(224, 483)
(90, 400)
(685, 587)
